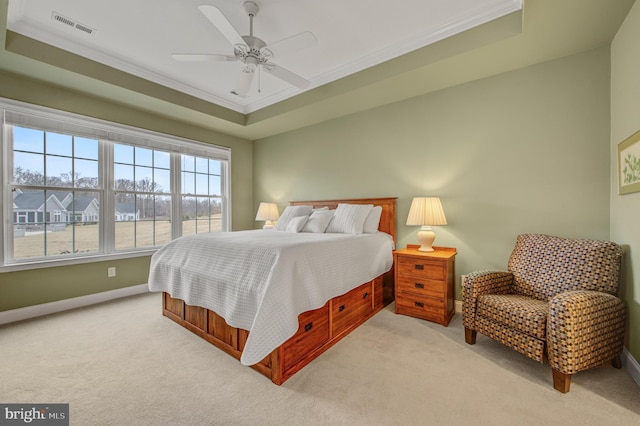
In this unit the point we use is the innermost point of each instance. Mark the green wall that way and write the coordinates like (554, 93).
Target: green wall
(625, 121)
(31, 287)
(524, 151)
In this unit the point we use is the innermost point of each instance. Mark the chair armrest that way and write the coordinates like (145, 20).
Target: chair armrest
(584, 329)
(479, 283)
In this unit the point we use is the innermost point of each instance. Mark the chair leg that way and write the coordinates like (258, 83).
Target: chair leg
(616, 362)
(561, 381)
(469, 336)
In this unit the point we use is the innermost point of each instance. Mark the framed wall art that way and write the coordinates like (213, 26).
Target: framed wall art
(629, 164)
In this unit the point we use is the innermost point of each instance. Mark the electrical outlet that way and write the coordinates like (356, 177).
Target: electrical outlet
(111, 272)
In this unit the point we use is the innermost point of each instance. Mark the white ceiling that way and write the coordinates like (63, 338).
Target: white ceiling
(139, 37)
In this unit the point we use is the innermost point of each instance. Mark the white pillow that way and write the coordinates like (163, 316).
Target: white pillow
(289, 213)
(349, 218)
(296, 224)
(318, 221)
(372, 221)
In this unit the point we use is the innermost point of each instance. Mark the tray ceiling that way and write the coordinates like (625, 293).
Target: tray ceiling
(139, 37)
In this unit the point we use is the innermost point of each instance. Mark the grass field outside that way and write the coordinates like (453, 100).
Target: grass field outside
(128, 235)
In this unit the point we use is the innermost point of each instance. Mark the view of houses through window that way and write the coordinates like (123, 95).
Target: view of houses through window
(60, 191)
(55, 193)
(143, 196)
(201, 189)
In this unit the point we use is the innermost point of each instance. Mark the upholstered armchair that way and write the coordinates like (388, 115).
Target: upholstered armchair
(557, 302)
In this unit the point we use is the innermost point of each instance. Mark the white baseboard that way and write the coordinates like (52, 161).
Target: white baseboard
(64, 305)
(458, 305)
(631, 365)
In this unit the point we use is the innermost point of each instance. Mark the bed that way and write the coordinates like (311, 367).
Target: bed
(309, 312)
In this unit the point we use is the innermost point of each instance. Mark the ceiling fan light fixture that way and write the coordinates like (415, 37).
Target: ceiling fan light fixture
(244, 81)
(250, 64)
(248, 69)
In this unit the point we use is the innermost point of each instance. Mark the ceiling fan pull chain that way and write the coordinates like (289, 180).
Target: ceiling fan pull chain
(259, 79)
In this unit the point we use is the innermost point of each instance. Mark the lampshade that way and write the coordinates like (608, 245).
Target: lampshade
(267, 212)
(426, 211)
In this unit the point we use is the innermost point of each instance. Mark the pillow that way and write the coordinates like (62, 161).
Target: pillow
(318, 221)
(296, 224)
(289, 213)
(372, 221)
(349, 218)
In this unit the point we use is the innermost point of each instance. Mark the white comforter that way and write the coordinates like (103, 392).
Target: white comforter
(262, 280)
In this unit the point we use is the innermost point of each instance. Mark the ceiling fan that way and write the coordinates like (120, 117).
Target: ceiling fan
(251, 51)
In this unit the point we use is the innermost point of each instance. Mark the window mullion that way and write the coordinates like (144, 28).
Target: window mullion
(176, 196)
(107, 209)
(6, 212)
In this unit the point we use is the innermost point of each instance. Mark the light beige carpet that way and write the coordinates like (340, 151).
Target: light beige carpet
(122, 363)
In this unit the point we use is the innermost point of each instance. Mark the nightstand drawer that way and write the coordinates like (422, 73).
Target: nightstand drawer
(410, 267)
(421, 287)
(420, 307)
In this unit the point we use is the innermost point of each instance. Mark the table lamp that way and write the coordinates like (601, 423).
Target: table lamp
(267, 212)
(426, 212)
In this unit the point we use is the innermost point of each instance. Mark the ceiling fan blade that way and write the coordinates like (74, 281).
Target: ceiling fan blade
(223, 25)
(201, 57)
(244, 82)
(293, 43)
(286, 75)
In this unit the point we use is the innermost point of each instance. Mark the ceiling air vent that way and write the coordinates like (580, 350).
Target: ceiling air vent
(71, 23)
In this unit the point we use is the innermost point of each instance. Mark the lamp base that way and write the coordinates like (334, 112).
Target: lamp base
(426, 237)
(268, 225)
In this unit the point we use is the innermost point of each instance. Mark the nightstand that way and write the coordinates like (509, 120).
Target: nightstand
(424, 283)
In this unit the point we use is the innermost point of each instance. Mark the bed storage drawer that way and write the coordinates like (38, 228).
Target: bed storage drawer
(312, 333)
(348, 308)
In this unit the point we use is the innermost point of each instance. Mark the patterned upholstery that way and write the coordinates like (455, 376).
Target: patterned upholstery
(557, 301)
(522, 313)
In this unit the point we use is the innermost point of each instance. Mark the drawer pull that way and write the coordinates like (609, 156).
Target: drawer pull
(420, 267)
(365, 295)
(341, 308)
(419, 285)
(308, 326)
(419, 304)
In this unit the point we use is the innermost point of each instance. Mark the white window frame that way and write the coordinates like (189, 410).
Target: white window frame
(27, 115)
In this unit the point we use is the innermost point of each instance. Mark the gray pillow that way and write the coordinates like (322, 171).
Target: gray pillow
(289, 213)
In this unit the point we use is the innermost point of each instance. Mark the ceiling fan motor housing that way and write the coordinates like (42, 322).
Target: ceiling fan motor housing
(255, 52)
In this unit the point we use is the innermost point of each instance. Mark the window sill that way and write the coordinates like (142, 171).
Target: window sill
(23, 266)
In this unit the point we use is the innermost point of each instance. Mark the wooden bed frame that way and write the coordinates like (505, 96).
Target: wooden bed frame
(318, 329)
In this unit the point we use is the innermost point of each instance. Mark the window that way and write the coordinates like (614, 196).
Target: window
(76, 188)
(54, 173)
(201, 195)
(143, 196)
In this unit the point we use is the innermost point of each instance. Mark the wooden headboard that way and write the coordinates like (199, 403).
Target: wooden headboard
(387, 219)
